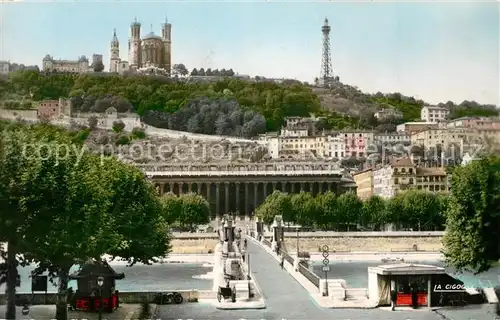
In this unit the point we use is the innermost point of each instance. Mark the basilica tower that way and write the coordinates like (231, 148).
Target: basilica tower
(114, 57)
(166, 34)
(134, 45)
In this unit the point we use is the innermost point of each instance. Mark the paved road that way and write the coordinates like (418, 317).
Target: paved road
(285, 298)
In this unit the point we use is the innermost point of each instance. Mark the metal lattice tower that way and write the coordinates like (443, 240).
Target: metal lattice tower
(326, 61)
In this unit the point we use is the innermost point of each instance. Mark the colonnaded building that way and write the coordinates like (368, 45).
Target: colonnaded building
(239, 189)
(150, 51)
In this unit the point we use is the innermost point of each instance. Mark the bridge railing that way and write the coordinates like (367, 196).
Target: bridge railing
(287, 257)
(311, 276)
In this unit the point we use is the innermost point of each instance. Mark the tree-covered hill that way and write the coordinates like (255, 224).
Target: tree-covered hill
(219, 106)
(351, 102)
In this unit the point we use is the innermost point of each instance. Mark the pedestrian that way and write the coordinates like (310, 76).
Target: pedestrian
(394, 297)
(245, 243)
(414, 297)
(282, 262)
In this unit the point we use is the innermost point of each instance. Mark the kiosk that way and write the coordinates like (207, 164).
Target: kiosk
(89, 293)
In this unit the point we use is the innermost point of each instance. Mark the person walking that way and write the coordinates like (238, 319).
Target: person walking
(282, 262)
(394, 297)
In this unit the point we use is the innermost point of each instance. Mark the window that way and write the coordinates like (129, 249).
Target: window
(396, 180)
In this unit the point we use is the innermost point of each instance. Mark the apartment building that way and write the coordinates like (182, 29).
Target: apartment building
(443, 137)
(434, 114)
(413, 127)
(364, 183)
(403, 175)
(388, 113)
(357, 142)
(334, 147)
(392, 137)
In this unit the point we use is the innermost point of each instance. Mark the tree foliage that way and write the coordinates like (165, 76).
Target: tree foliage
(278, 203)
(414, 209)
(69, 207)
(143, 93)
(472, 239)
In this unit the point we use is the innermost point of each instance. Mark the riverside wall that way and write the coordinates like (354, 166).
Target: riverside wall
(124, 296)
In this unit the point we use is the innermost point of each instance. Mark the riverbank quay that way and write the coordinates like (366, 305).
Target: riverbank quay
(125, 297)
(401, 241)
(48, 312)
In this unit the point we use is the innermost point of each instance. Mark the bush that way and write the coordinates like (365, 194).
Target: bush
(118, 126)
(92, 121)
(138, 133)
(122, 140)
(81, 136)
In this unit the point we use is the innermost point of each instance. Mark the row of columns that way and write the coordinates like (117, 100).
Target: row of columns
(242, 197)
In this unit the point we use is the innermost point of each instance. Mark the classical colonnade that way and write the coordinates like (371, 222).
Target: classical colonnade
(243, 197)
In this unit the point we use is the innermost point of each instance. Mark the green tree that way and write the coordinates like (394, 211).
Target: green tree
(374, 211)
(327, 218)
(303, 208)
(118, 126)
(349, 209)
(472, 238)
(195, 211)
(172, 207)
(278, 203)
(14, 166)
(421, 207)
(92, 121)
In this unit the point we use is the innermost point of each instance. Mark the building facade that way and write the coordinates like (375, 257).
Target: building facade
(53, 109)
(413, 127)
(81, 65)
(392, 137)
(242, 188)
(150, 51)
(388, 113)
(403, 175)
(364, 183)
(434, 114)
(4, 67)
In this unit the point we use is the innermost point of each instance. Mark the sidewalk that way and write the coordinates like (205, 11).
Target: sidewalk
(325, 302)
(48, 312)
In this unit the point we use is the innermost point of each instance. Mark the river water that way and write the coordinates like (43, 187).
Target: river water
(156, 277)
(356, 273)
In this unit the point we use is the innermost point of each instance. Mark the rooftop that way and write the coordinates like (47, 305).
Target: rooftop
(406, 268)
(404, 162)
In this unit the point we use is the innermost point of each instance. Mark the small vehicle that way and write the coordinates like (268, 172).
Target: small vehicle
(226, 293)
(169, 298)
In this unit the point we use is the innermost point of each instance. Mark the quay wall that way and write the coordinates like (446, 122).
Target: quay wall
(132, 297)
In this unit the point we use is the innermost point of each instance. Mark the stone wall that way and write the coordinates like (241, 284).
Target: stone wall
(124, 296)
(367, 244)
(14, 114)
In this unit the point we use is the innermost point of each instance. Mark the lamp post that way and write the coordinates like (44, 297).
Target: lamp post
(100, 282)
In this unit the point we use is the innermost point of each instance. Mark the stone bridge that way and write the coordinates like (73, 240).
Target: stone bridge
(240, 188)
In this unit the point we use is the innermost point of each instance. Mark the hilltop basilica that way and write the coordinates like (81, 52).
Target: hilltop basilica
(150, 52)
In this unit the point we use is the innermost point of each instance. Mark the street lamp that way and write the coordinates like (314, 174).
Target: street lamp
(100, 282)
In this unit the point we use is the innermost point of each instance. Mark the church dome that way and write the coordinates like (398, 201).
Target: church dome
(151, 36)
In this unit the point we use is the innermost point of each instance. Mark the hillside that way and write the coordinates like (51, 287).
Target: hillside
(228, 106)
(348, 102)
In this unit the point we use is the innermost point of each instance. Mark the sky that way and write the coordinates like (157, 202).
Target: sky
(435, 51)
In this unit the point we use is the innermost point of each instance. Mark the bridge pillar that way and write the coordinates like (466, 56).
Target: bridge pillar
(246, 199)
(181, 189)
(238, 198)
(329, 186)
(190, 187)
(171, 188)
(226, 194)
(293, 187)
(320, 189)
(255, 195)
(217, 201)
(162, 189)
(302, 187)
(265, 191)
